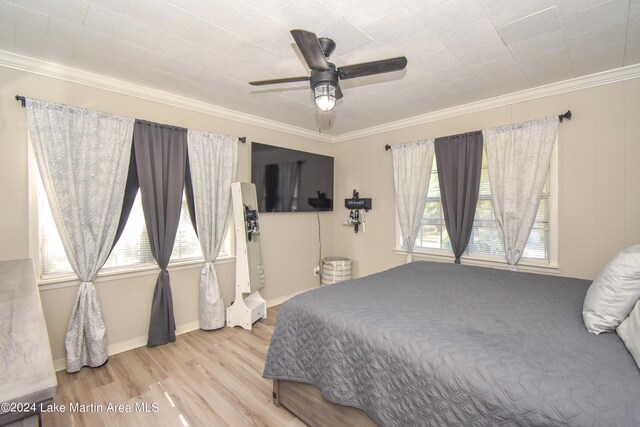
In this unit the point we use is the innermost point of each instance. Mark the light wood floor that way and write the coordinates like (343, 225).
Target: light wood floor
(209, 378)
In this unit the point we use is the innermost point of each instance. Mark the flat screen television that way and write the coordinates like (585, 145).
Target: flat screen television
(290, 180)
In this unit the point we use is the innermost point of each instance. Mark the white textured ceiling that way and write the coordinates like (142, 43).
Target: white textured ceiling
(458, 51)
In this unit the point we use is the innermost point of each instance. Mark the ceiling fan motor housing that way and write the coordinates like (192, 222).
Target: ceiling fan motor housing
(323, 77)
(327, 46)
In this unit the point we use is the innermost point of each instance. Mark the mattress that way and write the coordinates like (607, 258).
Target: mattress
(445, 344)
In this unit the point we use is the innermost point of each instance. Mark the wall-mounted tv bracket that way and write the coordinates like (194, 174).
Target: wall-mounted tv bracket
(357, 208)
(251, 219)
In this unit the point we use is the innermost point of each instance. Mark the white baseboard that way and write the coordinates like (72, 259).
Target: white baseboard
(141, 341)
(122, 346)
(60, 364)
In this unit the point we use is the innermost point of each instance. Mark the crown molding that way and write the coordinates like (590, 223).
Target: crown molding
(87, 78)
(75, 75)
(578, 83)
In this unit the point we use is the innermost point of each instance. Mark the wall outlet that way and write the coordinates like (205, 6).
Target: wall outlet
(316, 270)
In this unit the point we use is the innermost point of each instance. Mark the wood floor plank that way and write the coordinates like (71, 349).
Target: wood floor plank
(225, 372)
(205, 378)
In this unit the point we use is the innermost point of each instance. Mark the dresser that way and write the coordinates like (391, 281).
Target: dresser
(28, 380)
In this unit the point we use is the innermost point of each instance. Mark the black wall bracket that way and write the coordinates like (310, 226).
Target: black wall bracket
(356, 206)
(357, 203)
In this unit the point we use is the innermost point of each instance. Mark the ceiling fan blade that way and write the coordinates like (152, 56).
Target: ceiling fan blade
(370, 68)
(311, 50)
(276, 81)
(338, 92)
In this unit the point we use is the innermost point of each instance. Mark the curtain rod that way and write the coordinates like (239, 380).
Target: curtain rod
(23, 103)
(566, 115)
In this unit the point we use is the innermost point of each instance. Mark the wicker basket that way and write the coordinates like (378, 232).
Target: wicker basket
(335, 269)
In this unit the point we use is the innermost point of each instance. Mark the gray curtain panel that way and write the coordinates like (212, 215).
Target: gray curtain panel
(271, 179)
(288, 180)
(459, 161)
(161, 154)
(188, 192)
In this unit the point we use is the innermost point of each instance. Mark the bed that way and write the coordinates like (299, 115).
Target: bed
(444, 344)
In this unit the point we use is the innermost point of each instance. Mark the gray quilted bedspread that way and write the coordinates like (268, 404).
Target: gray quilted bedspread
(444, 344)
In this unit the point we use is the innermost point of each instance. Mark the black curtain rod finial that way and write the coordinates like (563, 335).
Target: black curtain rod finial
(387, 147)
(243, 139)
(566, 115)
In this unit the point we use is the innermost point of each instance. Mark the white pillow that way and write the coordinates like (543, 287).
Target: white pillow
(613, 294)
(629, 331)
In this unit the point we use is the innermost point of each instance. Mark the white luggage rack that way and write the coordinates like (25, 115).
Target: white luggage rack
(246, 310)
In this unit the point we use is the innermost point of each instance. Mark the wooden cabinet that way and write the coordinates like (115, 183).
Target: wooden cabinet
(26, 367)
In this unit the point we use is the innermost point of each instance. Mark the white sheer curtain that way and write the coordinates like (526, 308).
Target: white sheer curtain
(257, 176)
(288, 177)
(83, 158)
(213, 163)
(412, 164)
(518, 157)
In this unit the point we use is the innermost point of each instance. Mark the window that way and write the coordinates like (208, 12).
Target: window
(484, 236)
(131, 251)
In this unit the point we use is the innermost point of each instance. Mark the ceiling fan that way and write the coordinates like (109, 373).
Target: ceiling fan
(325, 76)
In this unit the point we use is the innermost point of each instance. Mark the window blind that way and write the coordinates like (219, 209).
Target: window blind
(131, 251)
(484, 237)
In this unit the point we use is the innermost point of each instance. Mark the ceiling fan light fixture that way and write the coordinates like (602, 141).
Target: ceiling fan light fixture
(325, 96)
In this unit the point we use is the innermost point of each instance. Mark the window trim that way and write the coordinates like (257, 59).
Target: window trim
(493, 261)
(114, 273)
(70, 281)
(486, 260)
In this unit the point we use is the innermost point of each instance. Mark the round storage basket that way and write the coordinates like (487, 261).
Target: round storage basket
(335, 269)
